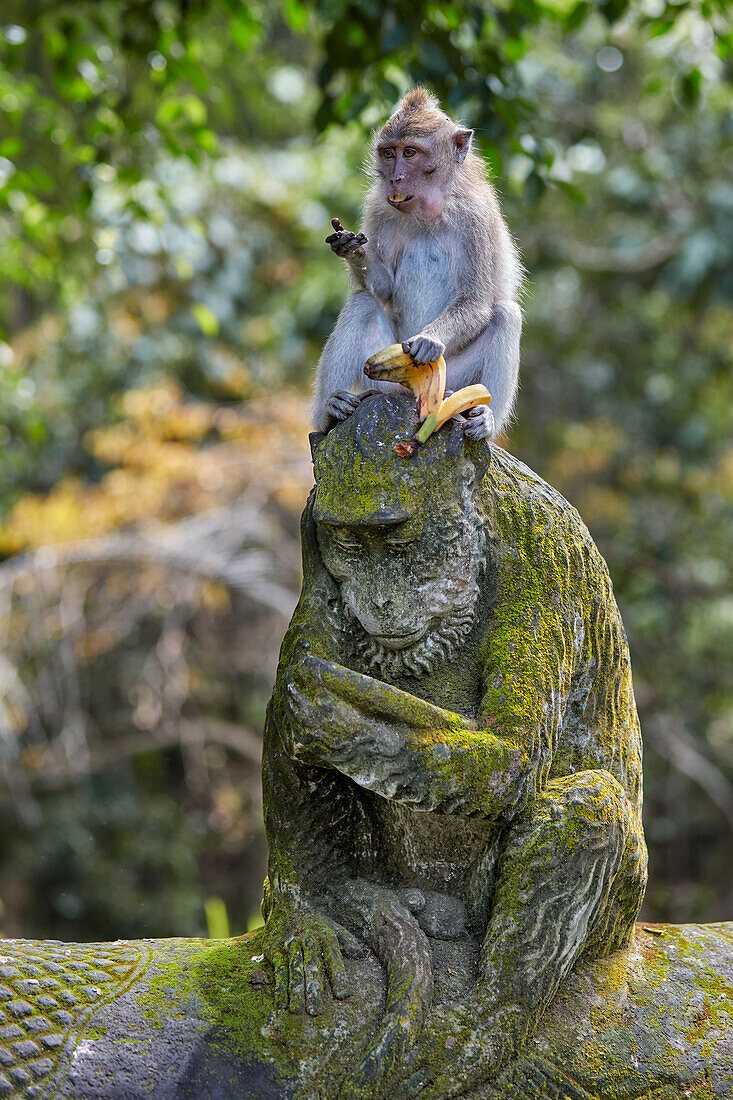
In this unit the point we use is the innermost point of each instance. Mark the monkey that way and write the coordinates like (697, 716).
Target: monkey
(434, 268)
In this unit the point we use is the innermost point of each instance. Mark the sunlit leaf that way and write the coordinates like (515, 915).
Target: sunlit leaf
(205, 318)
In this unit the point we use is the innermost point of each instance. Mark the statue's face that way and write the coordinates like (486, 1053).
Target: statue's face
(401, 537)
(403, 574)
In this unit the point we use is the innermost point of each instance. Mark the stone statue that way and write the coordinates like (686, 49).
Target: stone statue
(452, 786)
(452, 750)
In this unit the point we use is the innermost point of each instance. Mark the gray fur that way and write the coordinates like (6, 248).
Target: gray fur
(447, 280)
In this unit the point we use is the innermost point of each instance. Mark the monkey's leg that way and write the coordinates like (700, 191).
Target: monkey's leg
(492, 359)
(362, 329)
(573, 867)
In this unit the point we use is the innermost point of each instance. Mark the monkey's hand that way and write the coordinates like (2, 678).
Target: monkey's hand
(423, 349)
(303, 947)
(479, 423)
(347, 245)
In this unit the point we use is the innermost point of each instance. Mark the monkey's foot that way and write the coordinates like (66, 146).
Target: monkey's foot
(479, 423)
(342, 404)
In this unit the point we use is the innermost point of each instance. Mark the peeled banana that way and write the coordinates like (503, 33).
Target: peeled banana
(427, 383)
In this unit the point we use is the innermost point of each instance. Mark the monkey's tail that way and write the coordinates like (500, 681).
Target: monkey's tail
(402, 948)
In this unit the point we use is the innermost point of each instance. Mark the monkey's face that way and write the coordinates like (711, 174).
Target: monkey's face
(399, 579)
(415, 175)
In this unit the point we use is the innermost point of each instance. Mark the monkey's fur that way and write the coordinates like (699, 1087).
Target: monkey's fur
(436, 271)
(485, 788)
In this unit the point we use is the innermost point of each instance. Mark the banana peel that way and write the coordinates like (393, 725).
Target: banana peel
(427, 383)
(426, 380)
(460, 401)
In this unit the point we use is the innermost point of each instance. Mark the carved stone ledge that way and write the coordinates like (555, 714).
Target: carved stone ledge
(174, 1019)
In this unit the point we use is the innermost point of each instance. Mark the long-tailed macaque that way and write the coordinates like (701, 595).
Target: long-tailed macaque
(435, 269)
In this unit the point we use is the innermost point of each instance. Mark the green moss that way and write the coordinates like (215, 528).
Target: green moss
(95, 1031)
(230, 1002)
(211, 976)
(716, 1012)
(215, 984)
(621, 1027)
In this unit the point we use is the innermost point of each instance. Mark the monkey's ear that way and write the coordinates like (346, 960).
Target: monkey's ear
(462, 140)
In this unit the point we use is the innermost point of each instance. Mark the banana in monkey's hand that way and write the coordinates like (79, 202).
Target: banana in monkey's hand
(427, 383)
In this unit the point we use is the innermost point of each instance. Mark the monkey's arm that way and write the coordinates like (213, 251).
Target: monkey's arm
(406, 749)
(481, 263)
(370, 273)
(452, 331)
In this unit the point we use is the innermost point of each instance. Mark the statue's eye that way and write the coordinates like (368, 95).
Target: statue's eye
(346, 544)
(399, 546)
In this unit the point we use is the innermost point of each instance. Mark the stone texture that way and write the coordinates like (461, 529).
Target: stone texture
(181, 1020)
(452, 747)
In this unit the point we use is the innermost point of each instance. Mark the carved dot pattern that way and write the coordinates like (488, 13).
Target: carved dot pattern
(47, 990)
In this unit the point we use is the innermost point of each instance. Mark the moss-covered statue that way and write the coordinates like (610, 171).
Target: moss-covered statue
(452, 750)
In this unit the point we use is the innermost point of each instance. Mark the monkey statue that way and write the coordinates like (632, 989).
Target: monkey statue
(452, 750)
(435, 269)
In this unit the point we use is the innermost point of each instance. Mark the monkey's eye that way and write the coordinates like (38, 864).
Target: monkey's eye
(409, 152)
(388, 154)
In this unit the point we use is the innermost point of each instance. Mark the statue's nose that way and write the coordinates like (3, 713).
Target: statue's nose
(381, 602)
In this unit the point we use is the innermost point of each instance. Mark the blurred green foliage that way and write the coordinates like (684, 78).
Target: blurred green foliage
(167, 174)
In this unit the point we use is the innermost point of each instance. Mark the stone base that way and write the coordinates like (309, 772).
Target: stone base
(168, 1019)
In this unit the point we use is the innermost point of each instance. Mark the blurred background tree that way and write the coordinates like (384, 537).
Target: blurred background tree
(167, 175)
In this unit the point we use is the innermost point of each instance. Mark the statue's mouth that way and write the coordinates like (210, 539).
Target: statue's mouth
(399, 200)
(400, 641)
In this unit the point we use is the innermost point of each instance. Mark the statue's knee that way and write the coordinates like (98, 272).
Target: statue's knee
(589, 808)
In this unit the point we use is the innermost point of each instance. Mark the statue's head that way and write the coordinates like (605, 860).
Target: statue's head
(401, 536)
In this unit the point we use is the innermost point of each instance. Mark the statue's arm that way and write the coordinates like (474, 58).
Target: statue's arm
(407, 749)
(307, 811)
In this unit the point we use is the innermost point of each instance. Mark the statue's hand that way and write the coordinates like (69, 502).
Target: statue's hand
(334, 721)
(393, 743)
(304, 948)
